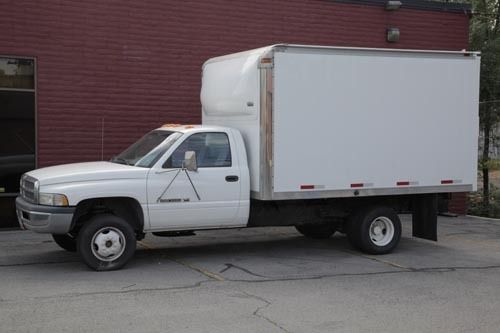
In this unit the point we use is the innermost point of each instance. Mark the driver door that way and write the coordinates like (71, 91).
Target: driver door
(209, 197)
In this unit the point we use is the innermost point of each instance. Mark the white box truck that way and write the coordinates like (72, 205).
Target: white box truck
(321, 138)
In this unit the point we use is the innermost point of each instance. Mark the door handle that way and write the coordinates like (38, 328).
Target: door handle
(231, 179)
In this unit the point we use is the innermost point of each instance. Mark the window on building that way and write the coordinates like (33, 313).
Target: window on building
(212, 150)
(17, 121)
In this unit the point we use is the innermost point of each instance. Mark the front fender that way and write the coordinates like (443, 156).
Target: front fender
(79, 191)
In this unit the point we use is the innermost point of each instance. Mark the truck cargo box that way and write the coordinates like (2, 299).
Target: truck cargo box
(326, 122)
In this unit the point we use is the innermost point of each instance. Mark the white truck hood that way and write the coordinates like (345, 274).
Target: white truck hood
(88, 171)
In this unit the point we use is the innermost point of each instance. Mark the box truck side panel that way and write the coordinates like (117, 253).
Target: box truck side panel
(230, 97)
(374, 120)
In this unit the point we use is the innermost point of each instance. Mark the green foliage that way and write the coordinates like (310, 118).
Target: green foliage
(477, 207)
(494, 164)
(491, 165)
(485, 37)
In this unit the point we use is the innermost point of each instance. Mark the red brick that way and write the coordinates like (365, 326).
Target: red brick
(136, 64)
(458, 203)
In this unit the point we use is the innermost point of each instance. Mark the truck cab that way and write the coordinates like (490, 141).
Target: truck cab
(174, 178)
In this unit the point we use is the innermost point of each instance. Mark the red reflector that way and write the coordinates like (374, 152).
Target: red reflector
(357, 185)
(405, 183)
(306, 187)
(447, 181)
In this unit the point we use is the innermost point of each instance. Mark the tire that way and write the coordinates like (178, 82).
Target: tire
(375, 230)
(66, 241)
(106, 242)
(316, 231)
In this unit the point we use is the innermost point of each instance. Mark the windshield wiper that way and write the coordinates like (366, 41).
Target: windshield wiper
(120, 160)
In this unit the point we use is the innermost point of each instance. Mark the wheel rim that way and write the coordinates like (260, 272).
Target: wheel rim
(381, 231)
(108, 244)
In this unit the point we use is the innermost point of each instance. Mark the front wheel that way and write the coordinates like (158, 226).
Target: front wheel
(106, 242)
(375, 230)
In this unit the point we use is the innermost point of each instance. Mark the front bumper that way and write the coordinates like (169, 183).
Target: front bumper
(44, 219)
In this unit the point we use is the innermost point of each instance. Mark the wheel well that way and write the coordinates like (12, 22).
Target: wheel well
(127, 208)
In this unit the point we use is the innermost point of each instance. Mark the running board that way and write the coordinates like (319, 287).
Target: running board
(181, 233)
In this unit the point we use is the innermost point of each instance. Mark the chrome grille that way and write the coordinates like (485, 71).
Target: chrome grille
(27, 188)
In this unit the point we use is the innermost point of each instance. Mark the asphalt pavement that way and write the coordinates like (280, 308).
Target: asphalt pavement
(259, 280)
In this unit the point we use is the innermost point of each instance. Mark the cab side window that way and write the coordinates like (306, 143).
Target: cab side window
(212, 150)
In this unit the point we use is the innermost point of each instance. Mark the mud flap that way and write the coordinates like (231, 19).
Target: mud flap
(424, 216)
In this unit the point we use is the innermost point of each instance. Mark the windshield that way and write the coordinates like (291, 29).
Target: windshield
(148, 150)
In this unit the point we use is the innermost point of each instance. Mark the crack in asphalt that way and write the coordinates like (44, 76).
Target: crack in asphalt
(39, 263)
(379, 260)
(443, 269)
(229, 266)
(258, 311)
(114, 292)
(207, 273)
(324, 276)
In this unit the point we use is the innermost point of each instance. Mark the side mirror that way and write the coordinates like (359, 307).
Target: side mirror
(190, 161)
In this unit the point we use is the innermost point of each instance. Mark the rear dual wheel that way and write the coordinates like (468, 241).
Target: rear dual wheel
(375, 230)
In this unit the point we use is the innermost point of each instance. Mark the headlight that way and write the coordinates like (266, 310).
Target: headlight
(52, 199)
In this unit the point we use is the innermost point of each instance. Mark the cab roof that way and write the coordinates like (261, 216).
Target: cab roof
(186, 128)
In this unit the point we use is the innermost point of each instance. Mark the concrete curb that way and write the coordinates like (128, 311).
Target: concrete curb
(484, 218)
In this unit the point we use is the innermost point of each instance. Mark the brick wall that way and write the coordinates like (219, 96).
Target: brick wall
(130, 66)
(458, 203)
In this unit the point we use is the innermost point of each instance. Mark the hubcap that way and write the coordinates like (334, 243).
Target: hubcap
(108, 244)
(381, 231)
